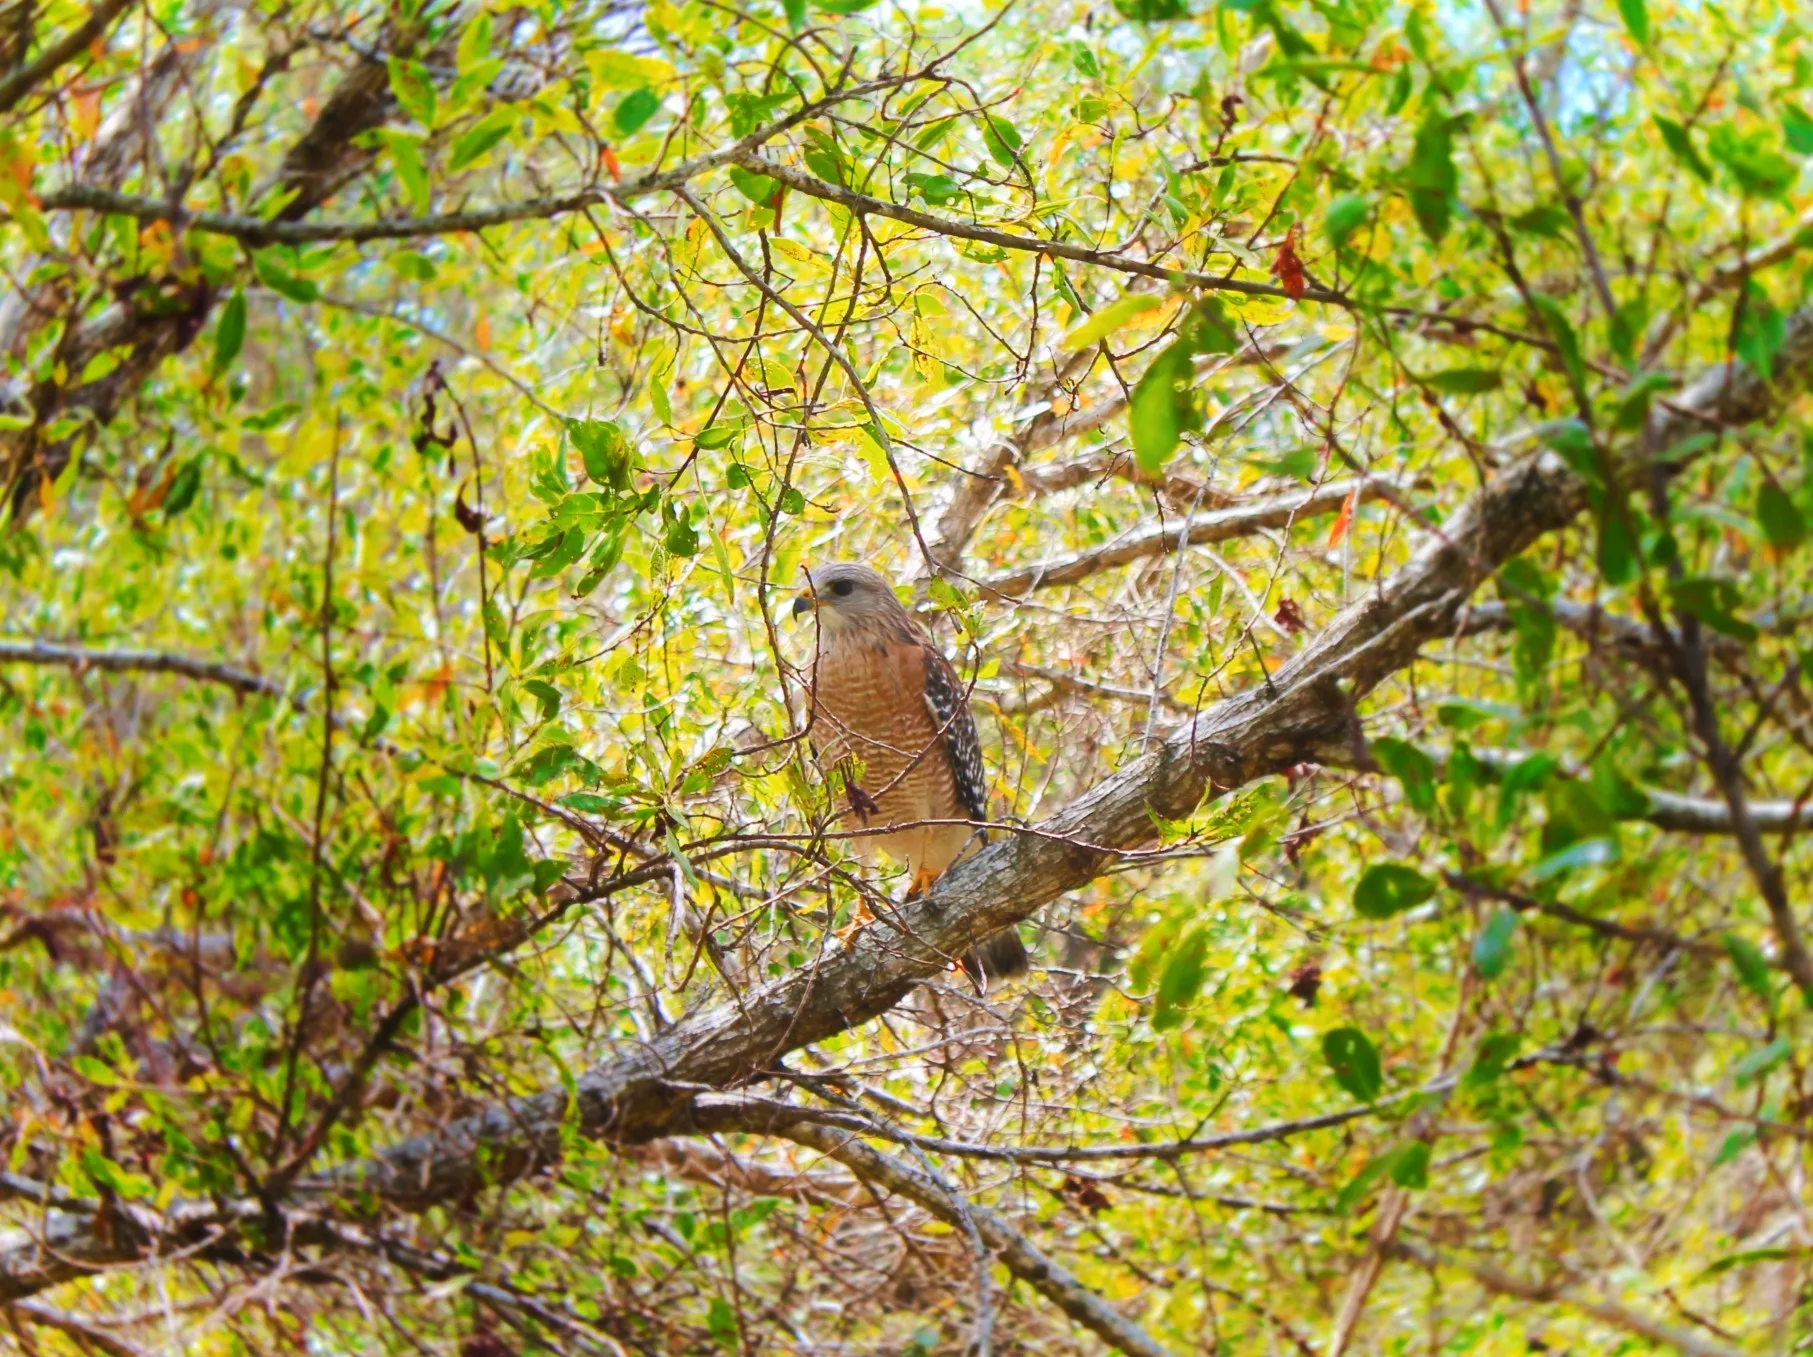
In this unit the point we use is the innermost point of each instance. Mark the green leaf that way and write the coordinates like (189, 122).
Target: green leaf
(183, 488)
(936, 189)
(572, 543)
(718, 435)
(1122, 311)
(1299, 464)
(1633, 405)
(1758, 169)
(1466, 381)
(1758, 1063)
(1797, 130)
(1402, 86)
(758, 188)
(1354, 1062)
(1181, 979)
(603, 449)
(1207, 329)
(475, 43)
(481, 137)
(1625, 328)
(1752, 967)
(412, 171)
(1761, 332)
(1493, 1058)
(1152, 11)
(413, 265)
(1574, 441)
(1782, 521)
(796, 14)
(1636, 19)
(546, 695)
(1002, 139)
(1411, 1167)
(681, 538)
(546, 764)
(1492, 948)
(1749, 1256)
(1375, 1169)
(375, 723)
(589, 803)
(1734, 1145)
(1594, 852)
(413, 89)
(1410, 766)
(1345, 215)
(824, 157)
(635, 109)
(95, 1071)
(793, 500)
(1566, 341)
(230, 333)
(1713, 602)
(721, 1321)
(1617, 555)
(1389, 888)
(1432, 177)
(275, 275)
(1547, 220)
(1680, 141)
(1163, 406)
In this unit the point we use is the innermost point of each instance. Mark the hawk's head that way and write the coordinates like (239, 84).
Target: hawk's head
(848, 596)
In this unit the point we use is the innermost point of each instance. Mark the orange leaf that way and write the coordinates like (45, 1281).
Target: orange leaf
(609, 157)
(1344, 519)
(481, 332)
(85, 113)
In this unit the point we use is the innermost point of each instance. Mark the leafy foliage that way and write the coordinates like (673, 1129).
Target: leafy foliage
(414, 425)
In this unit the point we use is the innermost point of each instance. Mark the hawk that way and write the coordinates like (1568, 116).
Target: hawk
(889, 707)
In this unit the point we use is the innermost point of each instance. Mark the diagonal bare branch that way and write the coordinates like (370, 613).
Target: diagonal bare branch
(1216, 525)
(1024, 1259)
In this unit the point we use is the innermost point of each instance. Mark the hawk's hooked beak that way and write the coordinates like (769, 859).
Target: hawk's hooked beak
(804, 603)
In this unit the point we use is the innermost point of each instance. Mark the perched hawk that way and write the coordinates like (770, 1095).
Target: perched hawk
(887, 703)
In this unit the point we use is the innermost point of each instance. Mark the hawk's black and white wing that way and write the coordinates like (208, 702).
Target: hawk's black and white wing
(1004, 954)
(949, 706)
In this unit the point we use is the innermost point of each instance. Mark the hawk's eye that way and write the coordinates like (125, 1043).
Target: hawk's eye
(842, 588)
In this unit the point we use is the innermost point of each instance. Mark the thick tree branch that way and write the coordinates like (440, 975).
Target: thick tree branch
(72, 44)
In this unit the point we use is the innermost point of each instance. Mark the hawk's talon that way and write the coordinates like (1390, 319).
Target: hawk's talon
(860, 916)
(861, 802)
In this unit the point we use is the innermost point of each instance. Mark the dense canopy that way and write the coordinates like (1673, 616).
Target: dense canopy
(1353, 454)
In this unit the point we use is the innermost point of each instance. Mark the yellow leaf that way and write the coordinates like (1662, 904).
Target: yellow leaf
(1258, 310)
(924, 353)
(793, 250)
(1110, 318)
